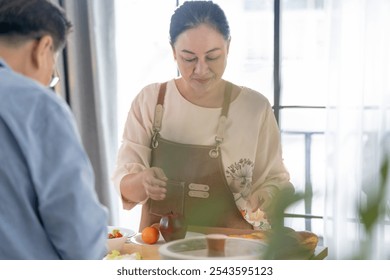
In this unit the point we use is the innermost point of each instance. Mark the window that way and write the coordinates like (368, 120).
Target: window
(145, 57)
(304, 76)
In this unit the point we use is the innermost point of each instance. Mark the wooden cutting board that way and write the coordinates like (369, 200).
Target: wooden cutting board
(150, 252)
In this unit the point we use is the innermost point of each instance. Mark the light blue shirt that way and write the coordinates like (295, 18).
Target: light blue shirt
(48, 205)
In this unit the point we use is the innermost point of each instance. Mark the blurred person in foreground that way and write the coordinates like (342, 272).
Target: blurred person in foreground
(200, 144)
(48, 206)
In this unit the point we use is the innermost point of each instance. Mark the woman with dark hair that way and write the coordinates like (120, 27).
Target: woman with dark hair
(198, 144)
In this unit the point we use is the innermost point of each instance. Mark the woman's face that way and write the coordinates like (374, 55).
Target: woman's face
(201, 55)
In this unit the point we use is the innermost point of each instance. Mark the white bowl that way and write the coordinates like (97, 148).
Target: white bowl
(117, 243)
(196, 249)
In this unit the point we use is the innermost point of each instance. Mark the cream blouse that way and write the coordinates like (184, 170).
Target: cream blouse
(251, 150)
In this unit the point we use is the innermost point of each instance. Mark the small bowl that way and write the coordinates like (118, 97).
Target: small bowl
(117, 243)
(195, 248)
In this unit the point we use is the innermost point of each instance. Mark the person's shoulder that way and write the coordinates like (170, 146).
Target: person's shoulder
(26, 92)
(30, 109)
(251, 93)
(46, 99)
(153, 87)
(254, 97)
(150, 91)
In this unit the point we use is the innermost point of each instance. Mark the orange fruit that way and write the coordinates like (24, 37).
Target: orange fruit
(150, 235)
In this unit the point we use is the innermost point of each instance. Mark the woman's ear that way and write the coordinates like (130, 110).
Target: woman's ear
(228, 44)
(42, 51)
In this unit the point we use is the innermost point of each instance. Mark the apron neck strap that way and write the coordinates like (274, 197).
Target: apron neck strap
(159, 110)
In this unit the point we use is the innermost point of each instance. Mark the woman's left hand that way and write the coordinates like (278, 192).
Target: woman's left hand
(263, 199)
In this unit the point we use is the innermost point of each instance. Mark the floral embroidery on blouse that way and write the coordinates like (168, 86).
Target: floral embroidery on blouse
(241, 173)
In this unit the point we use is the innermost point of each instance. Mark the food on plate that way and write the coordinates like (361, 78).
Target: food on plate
(305, 239)
(308, 239)
(150, 235)
(115, 233)
(173, 226)
(295, 245)
(116, 255)
(258, 235)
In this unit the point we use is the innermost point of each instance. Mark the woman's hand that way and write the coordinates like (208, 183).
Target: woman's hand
(154, 180)
(149, 183)
(273, 201)
(264, 198)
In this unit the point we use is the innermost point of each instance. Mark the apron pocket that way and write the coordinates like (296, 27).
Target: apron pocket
(173, 202)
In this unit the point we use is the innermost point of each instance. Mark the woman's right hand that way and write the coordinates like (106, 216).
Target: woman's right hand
(154, 180)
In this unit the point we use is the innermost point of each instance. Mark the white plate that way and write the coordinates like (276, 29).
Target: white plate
(137, 239)
(125, 231)
(196, 249)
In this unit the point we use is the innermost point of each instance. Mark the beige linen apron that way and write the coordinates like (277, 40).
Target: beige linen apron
(197, 185)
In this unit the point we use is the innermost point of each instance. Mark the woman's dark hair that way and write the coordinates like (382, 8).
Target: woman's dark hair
(26, 19)
(193, 13)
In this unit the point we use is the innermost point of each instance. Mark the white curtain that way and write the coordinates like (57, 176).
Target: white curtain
(358, 127)
(91, 84)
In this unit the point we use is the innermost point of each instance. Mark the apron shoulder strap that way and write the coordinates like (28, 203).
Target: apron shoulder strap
(214, 153)
(158, 112)
(161, 93)
(224, 112)
(227, 98)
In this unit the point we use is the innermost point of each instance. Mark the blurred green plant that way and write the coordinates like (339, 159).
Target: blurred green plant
(375, 200)
(283, 245)
(283, 242)
(375, 210)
